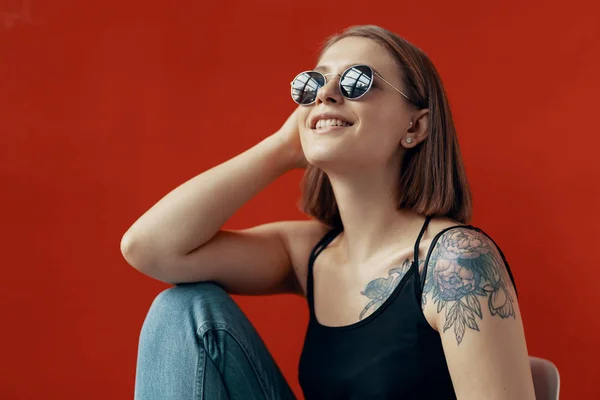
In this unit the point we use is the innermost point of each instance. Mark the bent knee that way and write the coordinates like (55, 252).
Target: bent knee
(202, 300)
(184, 294)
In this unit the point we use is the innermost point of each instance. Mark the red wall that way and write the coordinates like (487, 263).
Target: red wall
(104, 108)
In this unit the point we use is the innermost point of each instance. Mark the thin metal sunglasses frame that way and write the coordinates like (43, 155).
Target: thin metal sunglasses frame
(373, 73)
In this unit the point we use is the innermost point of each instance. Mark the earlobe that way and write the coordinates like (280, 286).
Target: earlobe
(408, 142)
(418, 130)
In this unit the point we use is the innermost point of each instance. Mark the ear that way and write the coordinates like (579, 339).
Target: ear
(418, 130)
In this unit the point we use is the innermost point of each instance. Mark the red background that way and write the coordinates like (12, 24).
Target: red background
(105, 107)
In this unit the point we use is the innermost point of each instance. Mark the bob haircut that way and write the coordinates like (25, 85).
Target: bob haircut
(432, 179)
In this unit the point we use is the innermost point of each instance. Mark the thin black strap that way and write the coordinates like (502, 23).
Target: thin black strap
(320, 246)
(503, 259)
(418, 242)
(435, 239)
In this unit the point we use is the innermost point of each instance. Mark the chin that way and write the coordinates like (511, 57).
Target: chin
(328, 160)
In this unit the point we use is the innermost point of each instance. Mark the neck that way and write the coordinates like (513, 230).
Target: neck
(372, 222)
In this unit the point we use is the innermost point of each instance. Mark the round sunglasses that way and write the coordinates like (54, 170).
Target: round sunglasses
(355, 82)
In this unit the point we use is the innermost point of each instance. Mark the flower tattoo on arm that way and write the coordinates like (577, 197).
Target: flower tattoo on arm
(463, 267)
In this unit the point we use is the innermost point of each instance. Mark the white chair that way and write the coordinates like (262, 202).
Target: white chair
(546, 379)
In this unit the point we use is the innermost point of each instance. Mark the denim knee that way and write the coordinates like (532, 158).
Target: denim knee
(197, 302)
(184, 293)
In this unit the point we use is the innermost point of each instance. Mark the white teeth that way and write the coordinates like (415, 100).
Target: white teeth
(324, 123)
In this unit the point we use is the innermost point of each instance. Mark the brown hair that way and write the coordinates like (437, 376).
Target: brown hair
(433, 180)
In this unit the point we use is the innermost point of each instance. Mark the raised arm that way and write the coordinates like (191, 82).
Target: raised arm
(180, 239)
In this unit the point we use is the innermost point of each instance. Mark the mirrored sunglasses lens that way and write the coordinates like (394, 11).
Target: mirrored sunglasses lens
(356, 81)
(305, 87)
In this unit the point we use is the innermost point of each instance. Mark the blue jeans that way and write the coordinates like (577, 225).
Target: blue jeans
(196, 343)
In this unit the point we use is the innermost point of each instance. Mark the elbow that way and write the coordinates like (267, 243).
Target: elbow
(137, 254)
(127, 249)
(133, 253)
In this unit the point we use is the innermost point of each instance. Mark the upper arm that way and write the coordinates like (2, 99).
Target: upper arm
(478, 318)
(264, 259)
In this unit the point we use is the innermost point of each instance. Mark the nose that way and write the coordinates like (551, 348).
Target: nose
(330, 92)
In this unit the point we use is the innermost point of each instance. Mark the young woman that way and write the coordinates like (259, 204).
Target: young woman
(406, 300)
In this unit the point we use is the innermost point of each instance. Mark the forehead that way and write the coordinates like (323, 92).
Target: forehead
(356, 50)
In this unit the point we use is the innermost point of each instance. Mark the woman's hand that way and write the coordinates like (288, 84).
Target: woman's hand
(290, 137)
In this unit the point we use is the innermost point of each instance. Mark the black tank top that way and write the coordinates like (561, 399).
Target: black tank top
(391, 354)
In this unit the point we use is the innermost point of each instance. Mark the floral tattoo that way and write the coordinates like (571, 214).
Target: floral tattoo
(462, 267)
(378, 290)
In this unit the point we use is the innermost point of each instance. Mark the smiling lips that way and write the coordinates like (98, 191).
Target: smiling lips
(327, 123)
(328, 120)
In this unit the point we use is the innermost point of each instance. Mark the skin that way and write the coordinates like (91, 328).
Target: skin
(466, 269)
(362, 163)
(468, 297)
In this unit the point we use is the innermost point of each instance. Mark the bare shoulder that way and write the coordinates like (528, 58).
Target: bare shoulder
(469, 290)
(299, 238)
(464, 268)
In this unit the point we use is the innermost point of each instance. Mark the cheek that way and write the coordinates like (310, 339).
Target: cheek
(383, 126)
(383, 114)
(303, 114)
(394, 117)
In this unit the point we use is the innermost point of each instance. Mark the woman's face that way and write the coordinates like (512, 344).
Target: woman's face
(379, 119)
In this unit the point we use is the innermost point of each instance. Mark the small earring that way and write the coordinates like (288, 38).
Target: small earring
(408, 140)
